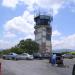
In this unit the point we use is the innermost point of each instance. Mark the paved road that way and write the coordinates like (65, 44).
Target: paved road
(36, 67)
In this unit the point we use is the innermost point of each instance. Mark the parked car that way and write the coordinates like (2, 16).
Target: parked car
(59, 59)
(9, 56)
(73, 71)
(70, 56)
(46, 55)
(24, 56)
(37, 56)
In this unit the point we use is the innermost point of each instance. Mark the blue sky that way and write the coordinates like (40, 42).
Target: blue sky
(17, 21)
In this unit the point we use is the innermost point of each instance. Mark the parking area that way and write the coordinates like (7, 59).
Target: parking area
(35, 67)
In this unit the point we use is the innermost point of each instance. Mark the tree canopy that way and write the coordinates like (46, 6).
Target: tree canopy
(28, 46)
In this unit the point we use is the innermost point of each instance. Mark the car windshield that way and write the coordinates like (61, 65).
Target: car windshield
(12, 54)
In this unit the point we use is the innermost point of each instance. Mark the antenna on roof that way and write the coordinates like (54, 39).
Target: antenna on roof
(42, 11)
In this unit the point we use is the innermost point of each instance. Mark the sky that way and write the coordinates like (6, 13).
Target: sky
(17, 21)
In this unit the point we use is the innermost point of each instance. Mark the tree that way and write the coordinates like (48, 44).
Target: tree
(7, 51)
(28, 46)
(16, 50)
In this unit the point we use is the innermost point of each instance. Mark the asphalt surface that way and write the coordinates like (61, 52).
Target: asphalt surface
(36, 67)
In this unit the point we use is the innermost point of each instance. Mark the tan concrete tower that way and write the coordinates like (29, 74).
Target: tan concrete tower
(43, 32)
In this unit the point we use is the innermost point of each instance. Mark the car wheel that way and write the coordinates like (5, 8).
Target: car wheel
(3, 57)
(16, 59)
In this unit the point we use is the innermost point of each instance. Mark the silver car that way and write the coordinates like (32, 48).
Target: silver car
(70, 56)
(9, 56)
(24, 56)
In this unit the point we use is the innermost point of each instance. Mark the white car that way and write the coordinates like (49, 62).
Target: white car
(24, 56)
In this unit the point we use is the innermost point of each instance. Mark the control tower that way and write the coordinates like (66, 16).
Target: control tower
(43, 32)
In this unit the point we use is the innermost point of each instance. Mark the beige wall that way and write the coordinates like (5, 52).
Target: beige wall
(41, 38)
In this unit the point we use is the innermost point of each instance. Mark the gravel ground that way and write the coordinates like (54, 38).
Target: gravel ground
(36, 67)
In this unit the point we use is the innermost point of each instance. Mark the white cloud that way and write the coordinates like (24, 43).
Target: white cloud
(29, 2)
(55, 5)
(56, 33)
(9, 35)
(30, 36)
(23, 24)
(47, 5)
(5, 44)
(67, 42)
(10, 3)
